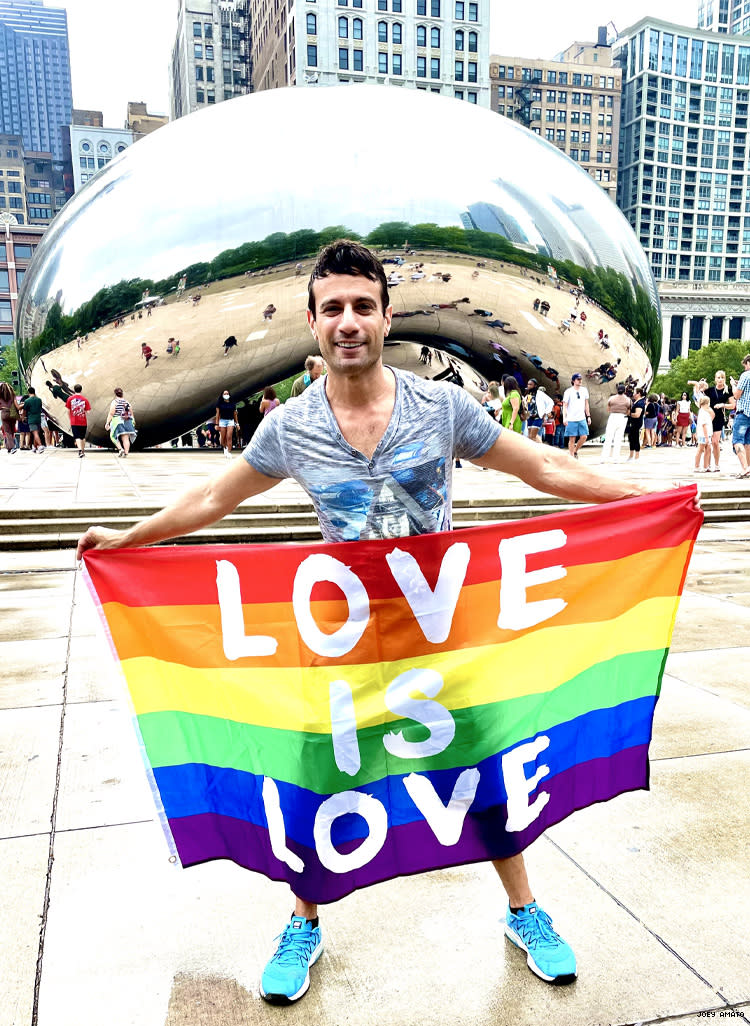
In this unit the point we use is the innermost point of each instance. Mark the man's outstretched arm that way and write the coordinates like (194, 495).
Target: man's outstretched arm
(552, 471)
(197, 508)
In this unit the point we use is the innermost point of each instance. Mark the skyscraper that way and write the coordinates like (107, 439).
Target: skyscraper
(36, 97)
(436, 45)
(729, 16)
(211, 54)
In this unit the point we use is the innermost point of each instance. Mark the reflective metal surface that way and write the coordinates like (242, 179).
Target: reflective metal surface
(206, 231)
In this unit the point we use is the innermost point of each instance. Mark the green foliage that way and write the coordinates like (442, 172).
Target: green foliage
(702, 363)
(8, 363)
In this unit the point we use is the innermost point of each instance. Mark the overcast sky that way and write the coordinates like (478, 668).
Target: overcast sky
(116, 59)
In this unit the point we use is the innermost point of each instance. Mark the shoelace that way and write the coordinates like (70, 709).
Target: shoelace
(294, 947)
(537, 929)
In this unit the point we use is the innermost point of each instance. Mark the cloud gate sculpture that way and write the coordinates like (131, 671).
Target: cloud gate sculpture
(205, 233)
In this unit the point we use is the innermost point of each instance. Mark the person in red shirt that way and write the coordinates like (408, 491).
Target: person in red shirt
(78, 406)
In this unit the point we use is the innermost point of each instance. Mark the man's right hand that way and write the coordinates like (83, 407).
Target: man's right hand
(100, 538)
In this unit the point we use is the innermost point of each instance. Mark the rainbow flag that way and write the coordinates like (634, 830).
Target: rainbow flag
(337, 715)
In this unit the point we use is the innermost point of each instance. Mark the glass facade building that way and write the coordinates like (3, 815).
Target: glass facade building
(35, 90)
(684, 183)
(729, 16)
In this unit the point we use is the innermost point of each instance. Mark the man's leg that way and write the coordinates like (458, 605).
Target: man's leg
(530, 928)
(579, 443)
(286, 977)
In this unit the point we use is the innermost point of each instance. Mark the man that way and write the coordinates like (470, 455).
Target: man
(32, 407)
(741, 429)
(313, 369)
(78, 406)
(576, 415)
(386, 439)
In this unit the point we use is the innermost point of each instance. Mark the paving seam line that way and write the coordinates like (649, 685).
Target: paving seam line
(53, 827)
(640, 922)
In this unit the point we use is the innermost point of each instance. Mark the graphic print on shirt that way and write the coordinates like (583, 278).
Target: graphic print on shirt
(413, 499)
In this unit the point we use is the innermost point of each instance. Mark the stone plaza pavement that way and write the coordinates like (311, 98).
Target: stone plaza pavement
(98, 929)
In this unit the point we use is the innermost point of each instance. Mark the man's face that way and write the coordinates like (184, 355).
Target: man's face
(576, 382)
(349, 324)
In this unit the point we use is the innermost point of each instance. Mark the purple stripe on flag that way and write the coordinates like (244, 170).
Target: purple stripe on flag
(411, 848)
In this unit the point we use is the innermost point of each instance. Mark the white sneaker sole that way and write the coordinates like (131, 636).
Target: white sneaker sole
(514, 938)
(288, 999)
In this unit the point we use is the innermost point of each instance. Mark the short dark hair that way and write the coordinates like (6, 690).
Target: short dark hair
(347, 257)
(118, 393)
(32, 390)
(621, 388)
(77, 388)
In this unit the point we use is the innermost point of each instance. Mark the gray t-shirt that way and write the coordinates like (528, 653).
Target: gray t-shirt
(405, 488)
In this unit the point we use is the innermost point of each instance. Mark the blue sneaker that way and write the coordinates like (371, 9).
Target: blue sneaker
(548, 955)
(287, 975)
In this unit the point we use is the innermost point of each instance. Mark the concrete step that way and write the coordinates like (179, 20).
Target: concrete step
(62, 537)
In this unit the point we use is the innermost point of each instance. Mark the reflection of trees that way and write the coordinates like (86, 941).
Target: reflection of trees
(612, 290)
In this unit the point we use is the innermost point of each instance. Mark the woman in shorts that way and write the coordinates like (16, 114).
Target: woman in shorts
(121, 423)
(225, 420)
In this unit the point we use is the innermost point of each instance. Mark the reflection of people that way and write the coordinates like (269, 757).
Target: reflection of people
(314, 367)
(373, 448)
(269, 311)
(121, 423)
(78, 406)
(229, 343)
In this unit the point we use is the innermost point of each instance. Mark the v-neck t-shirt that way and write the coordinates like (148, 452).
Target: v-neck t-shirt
(405, 489)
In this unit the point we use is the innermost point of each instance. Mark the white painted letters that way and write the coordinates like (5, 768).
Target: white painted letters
(344, 727)
(321, 567)
(433, 610)
(518, 786)
(237, 645)
(446, 823)
(516, 614)
(276, 830)
(342, 804)
(435, 717)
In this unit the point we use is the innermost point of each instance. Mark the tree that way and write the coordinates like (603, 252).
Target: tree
(701, 363)
(8, 363)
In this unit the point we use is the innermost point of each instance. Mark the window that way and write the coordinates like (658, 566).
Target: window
(382, 31)
(197, 32)
(312, 55)
(396, 64)
(5, 314)
(435, 38)
(210, 96)
(312, 24)
(382, 63)
(471, 97)
(460, 13)
(460, 45)
(473, 38)
(199, 73)
(357, 28)
(459, 95)
(208, 30)
(209, 74)
(198, 51)
(23, 252)
(473, 12)
(434, 8)
(421, 67)
(382, 5)
(357, 65)
(343, 28)
(343, 58)
(200, 96)
(396, 33)
(421, 35)
(435, 67)
(459, 71)
(422, 8)
(395, 6)
(4, 281)
(472, 71)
